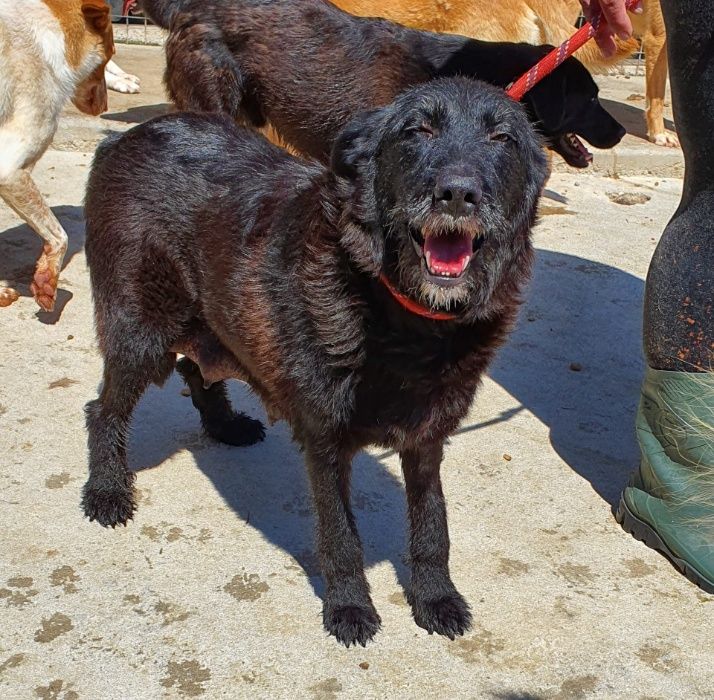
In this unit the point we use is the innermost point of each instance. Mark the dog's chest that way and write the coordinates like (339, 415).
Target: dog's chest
(415, 391)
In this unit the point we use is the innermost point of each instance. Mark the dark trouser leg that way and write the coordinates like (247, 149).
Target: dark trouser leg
(436, 604)
(348, 612)
(670, 501)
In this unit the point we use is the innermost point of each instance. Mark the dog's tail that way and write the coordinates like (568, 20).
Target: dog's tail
(593, 59)
(162, 12)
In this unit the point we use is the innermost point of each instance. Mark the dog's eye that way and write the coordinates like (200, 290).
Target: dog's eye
(424, 130)
(501, 136)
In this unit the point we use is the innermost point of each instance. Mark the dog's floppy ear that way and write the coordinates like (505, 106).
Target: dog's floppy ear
(357, 143)
(97, 13)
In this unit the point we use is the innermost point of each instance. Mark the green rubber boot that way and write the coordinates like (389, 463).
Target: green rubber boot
(669, 503)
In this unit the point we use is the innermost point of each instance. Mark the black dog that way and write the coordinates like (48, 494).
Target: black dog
(362, 303)
(307, 67)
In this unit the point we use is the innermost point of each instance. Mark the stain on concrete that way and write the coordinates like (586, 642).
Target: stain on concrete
(151, 532)
(204, 535)
(628, 198)
(246, 587)
(577, 574)
(478, 646)
(371, 502)
(20, 582)
(56, 690)
(398, 598)
(18, 598)
(12, 662)
(171, 612)
(63, 383)
(660, 657)
(187, 676)
(143, 496)
(577, 688)
(174, 534)
(299, 505)
(326, 690)
(57, 481)
(53, 627)
(562, 606)
(512, 567)
(66, 577)
(637, 568)
(168, 533)
(132, 599)
(250, 677)
(3, 410)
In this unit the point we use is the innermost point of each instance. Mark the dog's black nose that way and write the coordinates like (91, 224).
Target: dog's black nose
(457, 195)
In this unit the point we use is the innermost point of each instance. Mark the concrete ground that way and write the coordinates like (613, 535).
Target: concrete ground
(213, 590)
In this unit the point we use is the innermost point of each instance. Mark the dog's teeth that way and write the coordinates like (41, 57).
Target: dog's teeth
(428, 259)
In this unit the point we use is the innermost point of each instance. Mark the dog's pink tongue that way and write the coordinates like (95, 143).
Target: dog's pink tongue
(447, 255)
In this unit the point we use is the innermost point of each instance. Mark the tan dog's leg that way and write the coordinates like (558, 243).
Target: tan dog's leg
(22, 195)
(655, 46)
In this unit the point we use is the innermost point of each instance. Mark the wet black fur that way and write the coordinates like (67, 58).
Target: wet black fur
(204, 238)
(307, 67)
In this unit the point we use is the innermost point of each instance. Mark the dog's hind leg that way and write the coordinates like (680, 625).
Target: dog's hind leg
(219, 419)
(348, 612)
(108, 495)
(21, 194)
(436, 604)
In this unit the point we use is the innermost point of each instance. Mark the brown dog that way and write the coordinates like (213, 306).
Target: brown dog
(537, 22)
(50, 51)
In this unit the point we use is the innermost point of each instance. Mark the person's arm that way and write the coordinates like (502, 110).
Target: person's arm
(615, 21)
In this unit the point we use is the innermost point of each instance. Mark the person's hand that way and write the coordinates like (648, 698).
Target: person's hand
(615, 21)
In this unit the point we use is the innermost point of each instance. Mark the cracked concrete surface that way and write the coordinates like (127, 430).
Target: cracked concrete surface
(213, 591)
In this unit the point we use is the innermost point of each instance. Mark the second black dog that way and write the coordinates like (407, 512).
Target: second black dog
(307, 67)
(361, 302)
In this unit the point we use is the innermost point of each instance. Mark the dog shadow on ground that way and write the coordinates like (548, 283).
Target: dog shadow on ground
(137, 115)
(632, 118)
(21, 248)
(578, 311)
(575, 362)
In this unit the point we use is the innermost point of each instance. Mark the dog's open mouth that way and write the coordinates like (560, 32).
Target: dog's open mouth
(446, 252)
(573, 150)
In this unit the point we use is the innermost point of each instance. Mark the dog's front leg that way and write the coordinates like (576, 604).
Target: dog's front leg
(22, 195)
(436, 604)
(348, 612)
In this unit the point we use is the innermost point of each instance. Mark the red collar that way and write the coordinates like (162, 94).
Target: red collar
(413, 306)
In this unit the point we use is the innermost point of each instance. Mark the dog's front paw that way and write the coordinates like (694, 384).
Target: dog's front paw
(108, 506)
(121, 84)
(44, 282)
(665, 138)
(351, 624)
(449, 615)
(8, 296)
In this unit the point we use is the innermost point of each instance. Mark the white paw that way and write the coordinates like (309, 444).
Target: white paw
(666, 138)
(128, 84)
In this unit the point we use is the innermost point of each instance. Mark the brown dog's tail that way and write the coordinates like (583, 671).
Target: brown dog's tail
(162, 12)
(591, 56)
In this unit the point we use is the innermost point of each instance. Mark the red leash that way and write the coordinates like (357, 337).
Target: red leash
(550, 62)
